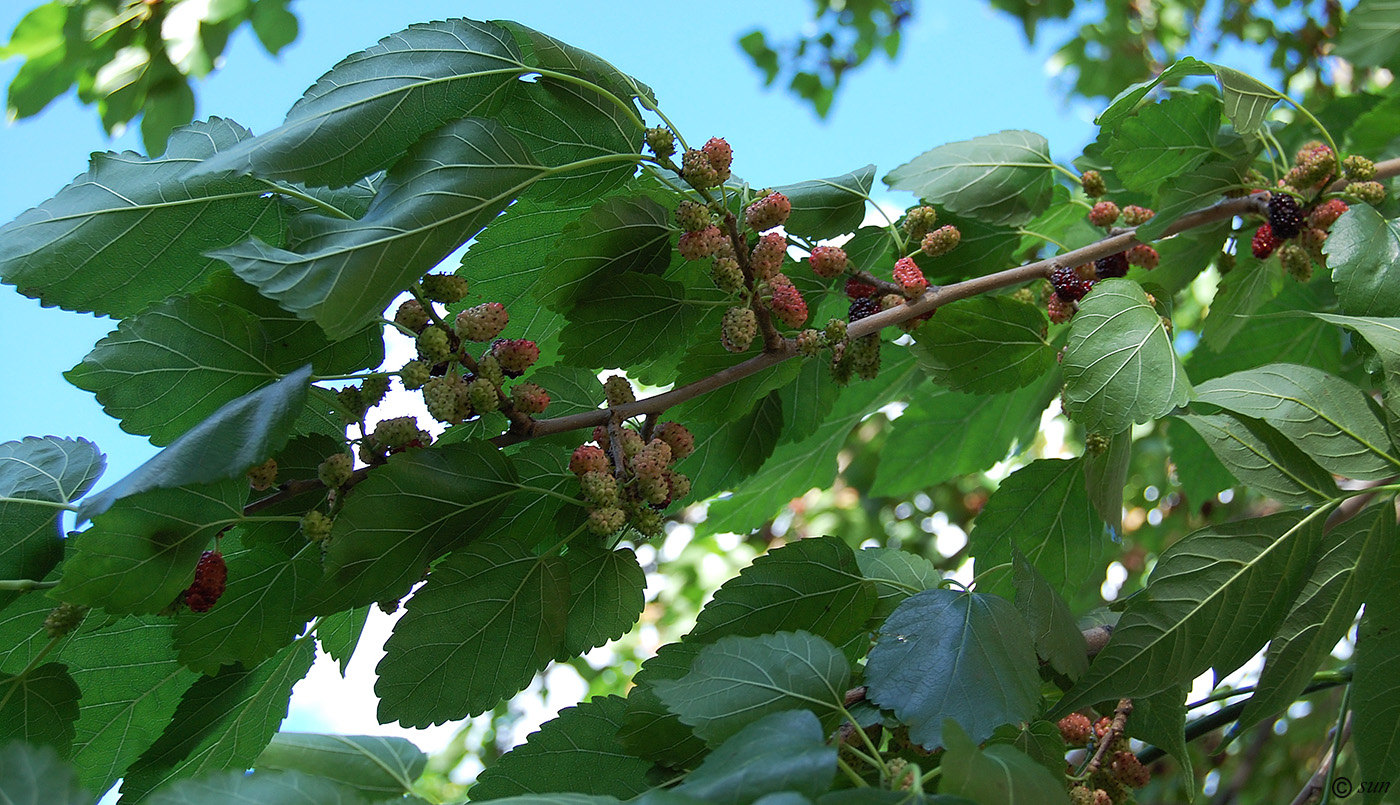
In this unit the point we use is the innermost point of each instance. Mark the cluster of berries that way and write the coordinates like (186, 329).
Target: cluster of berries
(1296, 231)
(629, 481)
(1071, 283)
(1112, 783)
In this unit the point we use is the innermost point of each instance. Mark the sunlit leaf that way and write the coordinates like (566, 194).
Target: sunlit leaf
(44, 470)
(1003, 178)
(1363, 251)
(374, 765)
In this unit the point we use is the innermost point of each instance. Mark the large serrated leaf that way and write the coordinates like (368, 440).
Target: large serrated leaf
(1000, 773)
(133, 231)
(1043, 511)
(1058, 640)
(1201, 188)
(780, 752)
(1119, 366)
(825, 208)
(897, 574)
(1250, 284)
(342, 273)
(364, 113)
(651, 731)
(407, 513)
(727, 453)
(577, 751)
(44, 470)
(1126, 102)
(489, 618)
(35, 775)
(1003, 178)
(607, 593)
(1323, 415)
(377, 766)
(241, 433)
(618, 235)
(987, 344)
(1165, 140)
(1247, 99)
(40, 707)
(1261, 457)
(223, 722)
(731, 401)
(1384, 337)
(621, 324)
(1363, 251)
(946, 654)
(1213, 599)
(737, 680)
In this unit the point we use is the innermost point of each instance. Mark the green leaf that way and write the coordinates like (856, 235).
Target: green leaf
(133, 231)
(577, 751)
(1367, 39)
(943, 434)
(1326, 417)
(1003, 178)
(35, 775)
(1376, 683)
(340, 632)
(1262, 458)
(1351, 560)
(798, 466)
(40, 707)
(1363, 251)
(1247, 99)
(727, 453)
(47, 469)
(1273, 338)
(1246, 289)
(999, 773)
(644, 319)
(241, 433)
(707, 357)
(946, 654)
(897, 574)
(807, 401)
(258, 613)
(1119, 366)
(1384, 337)
(651, 731)
(1126, 102)
(1160, 720)
(1201, 188)
(272, 788)
(781, 752)
(342, 273)
(1104, 476)
(223, 722)
(378, 766)
(1058, 639)
(489, 618)
(420, 505)
(365, 113)
(1064, 225)
(533, 516)
(1200, 474)
(1165, 140)
(275, 26)
(984, 344)
(825, 208)
(140, 553)
(618, 235)
(737, 680)
(606, 597)
(812, 584)
(1043, 511)
(131, 683)
(1213, 599)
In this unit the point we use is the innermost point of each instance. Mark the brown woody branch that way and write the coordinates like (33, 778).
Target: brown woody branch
(1118, 726)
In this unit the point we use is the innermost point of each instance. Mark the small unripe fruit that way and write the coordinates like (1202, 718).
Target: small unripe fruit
(336, 470)
(434, 346)
(828, 261)
(648, 522)
(529, 398)
(373, 389)
(767, 255)
(1327, 213)
(1092, 182)
(770, 211)
(918, 221)
(399, 432)
(483, 395)
(618, 391)
(809, 342)
(700, 244)
(443, 398)
(835, 330)
(738, 329)
(351, 404)
(1144, 256)
(1372, 193)
(909, 277)
(1128, 770)
(482, 323)
(515, 355)
(692, 217)
(410, 314)
(1133, 215)
(632, 443)
(661, 141)
(697, 170)
(679, 484)
(445, 288)
(721, 156)
(1058, 309)
(606, 520)
(414, 374)
(1075, 729)
(315, 526)
(1104, 214)
(587, 458)
(677, 437)
(788, 306)
(263, 476)
(63, 619)
(599, 488)
(864, 355)
(1357, 168)
(727, 275)
(941, 241)
(1296, 261)
(490, 369)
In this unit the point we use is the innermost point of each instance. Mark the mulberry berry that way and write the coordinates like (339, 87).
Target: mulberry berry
(918, 222)
(606, 520)
(515, 355)
(767, 255)
(1144, 256)
(443, 396)
(1075, 728)
(414, 374)
(1104, 214)
(434, 346)
(399, 432)
(941, 241)
(678, 437)
(1058, 309)
(618, 391)
(1284, 216)
(1327, 213)
(909, 277)
(721, 156)
(727, 275)
(788, 305)
(490, 369)
(1129, 770)
(738, 329)
(1296, 261)
(859, 289)
(373, 389)
(529, 398)
(828, 261)
(1133, 215)
(1372, 193)
(861, 308)
(599, 488)
(648, 521)
(483, 395)
(482, 323)
(835, 330)
(864, 355)
(315, 526)
(890, 301)
(1264, 242)
(1311, 239)
(1093, 184)
(679, 485)
(336, 470)
(1313, 165)
(410, 314)
(1068, 285)
(700, 244)
(63, 619)
(1357, 168)
(692, 217)
(587, 458)
(661, 141)
(809, 342)
(351, 403)
(1114, 265)
(445, 288)
(263, 476)
(632, 443)
(697, 170)
(210, 578)
(770, 211)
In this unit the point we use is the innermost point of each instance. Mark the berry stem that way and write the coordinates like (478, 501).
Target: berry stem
(25, 585)
(291, 192)
(772, 340)
(52, 504)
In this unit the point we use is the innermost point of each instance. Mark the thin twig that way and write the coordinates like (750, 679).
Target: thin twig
(1116, 727)
(1317, 783)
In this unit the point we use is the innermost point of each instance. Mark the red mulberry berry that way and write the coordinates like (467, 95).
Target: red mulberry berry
(445, 288)
(1114, 265)
(738, 329)
(1313, 165)
(481, 323)
(1104, 214)
(788, 306)
(909, 277)
(863, 307)
(1129, 770)
(1075, 728)
(529, 398)
(1059, 310)
(587, 458)
(941, 241)
(1284, 216)
(1144, 256)
(210, 578)
(515, 355)
(767, 255)
(859, 289)
(721, 156)
(1068, 284)
(770, 211)
(1264, 242)
(1092, 182)
(1327, 213)
(1133, 215)
(828, 261)
(701, 244)
(680, 439)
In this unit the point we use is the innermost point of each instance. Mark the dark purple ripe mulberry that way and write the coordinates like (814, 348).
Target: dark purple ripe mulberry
(860, 308)
(1068, 285)
(1114, 265)
(1284, 216)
